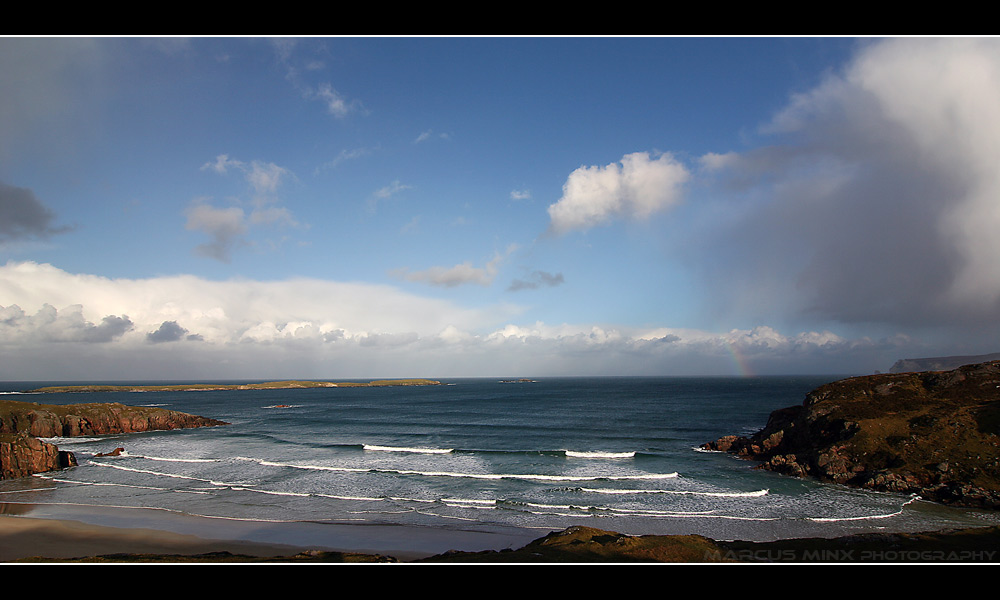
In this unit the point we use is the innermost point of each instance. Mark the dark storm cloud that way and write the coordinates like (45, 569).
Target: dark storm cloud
(877, 201)
(23, 216)
(169, 331)
(110, 328)
(52, 325)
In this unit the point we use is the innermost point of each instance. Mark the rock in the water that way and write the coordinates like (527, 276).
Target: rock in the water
(934, 434)
(115, 452)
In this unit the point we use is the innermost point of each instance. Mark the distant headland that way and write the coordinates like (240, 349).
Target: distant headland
(205, 387)
(939, 363)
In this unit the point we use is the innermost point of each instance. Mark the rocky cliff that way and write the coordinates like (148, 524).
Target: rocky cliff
(21, 423)
(933, 433)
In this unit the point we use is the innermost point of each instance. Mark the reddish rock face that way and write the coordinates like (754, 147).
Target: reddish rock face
(21, 423)
(22, 455)
(42, 420)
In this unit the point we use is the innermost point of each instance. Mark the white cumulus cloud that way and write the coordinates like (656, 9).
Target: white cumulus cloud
(57, 325)
(637, 187)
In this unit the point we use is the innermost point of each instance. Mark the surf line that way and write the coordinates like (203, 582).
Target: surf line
(494, 476)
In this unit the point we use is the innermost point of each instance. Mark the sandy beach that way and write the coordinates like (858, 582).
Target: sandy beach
(28, 531)
(26, 538)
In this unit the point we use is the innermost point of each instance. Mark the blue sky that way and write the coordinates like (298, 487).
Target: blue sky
(332, 207)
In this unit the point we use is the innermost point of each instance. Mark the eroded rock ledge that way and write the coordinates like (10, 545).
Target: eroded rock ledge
(21, 423)
(934, 434)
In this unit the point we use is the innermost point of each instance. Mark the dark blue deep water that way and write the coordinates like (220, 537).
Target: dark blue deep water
(475, 454)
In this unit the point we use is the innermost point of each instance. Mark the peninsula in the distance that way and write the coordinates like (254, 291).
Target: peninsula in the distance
(203, 387)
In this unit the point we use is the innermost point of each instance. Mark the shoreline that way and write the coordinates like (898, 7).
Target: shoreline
(48, 540)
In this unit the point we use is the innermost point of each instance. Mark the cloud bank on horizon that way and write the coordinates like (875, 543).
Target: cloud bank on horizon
(853, 228)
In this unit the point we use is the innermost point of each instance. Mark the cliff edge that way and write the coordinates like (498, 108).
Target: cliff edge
(21, 423)
(931, 433)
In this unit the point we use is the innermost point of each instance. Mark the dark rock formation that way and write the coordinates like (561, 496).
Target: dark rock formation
(934, 434)
(587, 545)
(115, 452)
(22, 422)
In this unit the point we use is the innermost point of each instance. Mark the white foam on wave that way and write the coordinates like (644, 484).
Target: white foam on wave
(491, 476)
(122, 485)
(161, 474)
(405, 449)
(466, 502)
(575, 510)
(270, 492)
(271, 463)
(355, 498)
(459, 504)
(754, 494)
(864, 517)
(575, 454)
(165, 459)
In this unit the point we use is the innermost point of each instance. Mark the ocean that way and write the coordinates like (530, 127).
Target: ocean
(471, 455)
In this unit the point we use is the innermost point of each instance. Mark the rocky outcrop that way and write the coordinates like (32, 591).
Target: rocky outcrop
(934, 434)
(588, 545)
(21, 423)
(96, 418)
(22, 455)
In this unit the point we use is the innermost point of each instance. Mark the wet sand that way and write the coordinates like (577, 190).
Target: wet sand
(26, 538)
(28, 531)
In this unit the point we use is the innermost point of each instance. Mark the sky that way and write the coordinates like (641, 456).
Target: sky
(208, 208)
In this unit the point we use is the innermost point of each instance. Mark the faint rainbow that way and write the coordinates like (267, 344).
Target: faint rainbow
(742, 365)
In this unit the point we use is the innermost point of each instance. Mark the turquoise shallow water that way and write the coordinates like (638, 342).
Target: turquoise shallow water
(473, 455)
